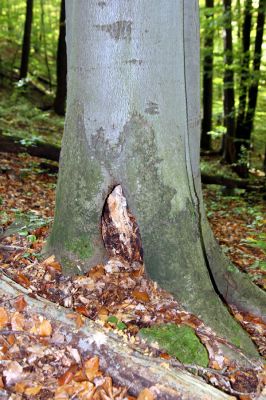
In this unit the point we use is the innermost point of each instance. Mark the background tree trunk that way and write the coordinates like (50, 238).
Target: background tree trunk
(253, 89)
(61, 65)
(123, 128)
(26, 40)
(244, 76)
(229, 93)
(207, 78)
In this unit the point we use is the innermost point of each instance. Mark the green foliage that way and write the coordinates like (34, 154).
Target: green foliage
(19, 118)
(179, 341)
(45, 30)
(216, 26)
(260, 242)
(113, 320)
(25, 223)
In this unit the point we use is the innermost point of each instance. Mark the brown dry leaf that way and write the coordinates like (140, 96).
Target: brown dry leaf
(239, 317)
(85, 390)
(138, 272)
(81, 390)
(32, 391)
(68, 375)
(20, 303)
(22, 279)
(61, 393)
(97, 272)
(20, 387)
(141, 296)
(11, 339)
(103, 314)
(4, 317)
(80, 376)
(48, 261)
(108, 386)
(42, 328)
(79, 319)
(165, 356)
(91, 368)
(17, 321)
(45, 328)
(1, 382)
(82, 310)
(54, 266)
(146, 394)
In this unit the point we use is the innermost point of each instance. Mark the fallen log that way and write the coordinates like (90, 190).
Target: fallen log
(11, 144)
(124, 362)
(228, 182)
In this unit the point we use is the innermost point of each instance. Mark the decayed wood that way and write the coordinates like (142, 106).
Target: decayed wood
(123, 361)
(11, 144)
(120, 230)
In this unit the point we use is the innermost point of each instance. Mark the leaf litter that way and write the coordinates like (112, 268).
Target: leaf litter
(116, 295)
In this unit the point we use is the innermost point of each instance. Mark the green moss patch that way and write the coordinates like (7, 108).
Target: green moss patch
(178, 341)
(81, 247)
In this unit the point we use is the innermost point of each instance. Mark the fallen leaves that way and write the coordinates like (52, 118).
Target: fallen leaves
(42, 327)
(4, 318)
(111, 290)
(146, 394)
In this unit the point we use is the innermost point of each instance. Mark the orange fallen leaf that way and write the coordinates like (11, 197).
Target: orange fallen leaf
(20, 387)
(141, 296)
(4, 317)
(42, 328)
(165, 356)
(68, 375)
(108, 386)
(79, 319)
(91, 368)
(11, 339)
(20, 303)
(146, 394)
(80, 376)
(45, 328)
(97, 272)
(238, 316)
(82, 310)
(103, 314)
(17, 321)
(48, 260)
(1, 382)
(32, 391)
(22, 280)
(138, 272)
(54, 266)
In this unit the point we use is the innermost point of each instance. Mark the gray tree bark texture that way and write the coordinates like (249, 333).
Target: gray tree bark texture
(133, 119)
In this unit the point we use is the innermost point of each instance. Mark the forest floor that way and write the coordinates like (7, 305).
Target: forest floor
(35, 361)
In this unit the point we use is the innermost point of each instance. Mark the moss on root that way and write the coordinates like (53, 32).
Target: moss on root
(179, 341)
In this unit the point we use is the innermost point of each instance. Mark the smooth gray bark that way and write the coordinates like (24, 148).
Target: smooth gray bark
(133, 119)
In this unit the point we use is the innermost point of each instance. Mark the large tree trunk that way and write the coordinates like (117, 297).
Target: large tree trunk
(207, 78)
(133, 119)
(26, 40)
(61, 65)
(229, 92)
(244, 77)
